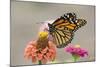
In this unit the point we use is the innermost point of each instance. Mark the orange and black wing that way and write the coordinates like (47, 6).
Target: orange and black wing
(69, 21)
(62, 37)
(64, 27)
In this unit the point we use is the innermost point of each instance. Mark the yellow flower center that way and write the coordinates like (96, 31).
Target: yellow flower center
(43, 35)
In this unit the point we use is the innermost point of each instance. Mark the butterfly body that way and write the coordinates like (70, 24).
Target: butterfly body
(62, 29)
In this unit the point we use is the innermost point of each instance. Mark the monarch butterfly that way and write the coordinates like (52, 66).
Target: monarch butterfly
(62, 29)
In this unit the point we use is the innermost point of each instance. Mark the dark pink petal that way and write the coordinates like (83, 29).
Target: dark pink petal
(76, 50)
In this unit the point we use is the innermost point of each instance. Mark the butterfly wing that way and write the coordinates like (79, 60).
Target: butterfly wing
(69, 21)
(64, 27)
(79, 24)
(62, 37)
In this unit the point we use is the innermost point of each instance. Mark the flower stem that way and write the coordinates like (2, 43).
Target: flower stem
(75, 57)
(40, 63)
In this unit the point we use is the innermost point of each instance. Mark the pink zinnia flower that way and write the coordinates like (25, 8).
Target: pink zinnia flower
(76, 51)
(43, 49)
(44, 55)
